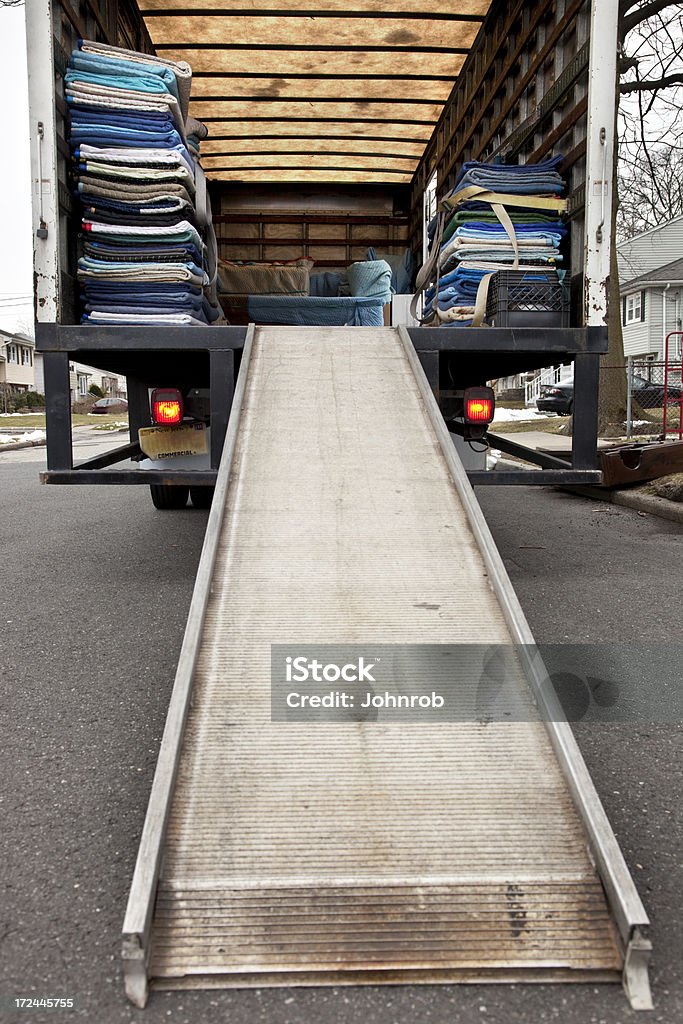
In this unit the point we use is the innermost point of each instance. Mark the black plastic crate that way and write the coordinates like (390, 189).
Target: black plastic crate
(527, 298)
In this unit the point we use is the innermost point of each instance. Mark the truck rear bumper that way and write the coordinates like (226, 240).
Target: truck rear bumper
(170, 477)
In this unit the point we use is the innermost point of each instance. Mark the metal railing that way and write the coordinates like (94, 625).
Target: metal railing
(548, 375)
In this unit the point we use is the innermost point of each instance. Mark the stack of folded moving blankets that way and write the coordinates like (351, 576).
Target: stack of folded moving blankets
(498, 217)
(144, 204)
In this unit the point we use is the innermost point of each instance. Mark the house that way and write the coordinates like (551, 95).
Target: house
(81, 378)
(651, 296)
(16, 362)
(651, 288)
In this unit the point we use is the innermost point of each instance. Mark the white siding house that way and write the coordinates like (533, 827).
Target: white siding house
(16, 361)
(651, 285)
(80, 379)
(650, 250)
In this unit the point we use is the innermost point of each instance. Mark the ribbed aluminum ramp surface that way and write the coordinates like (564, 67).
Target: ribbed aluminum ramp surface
(363, 852)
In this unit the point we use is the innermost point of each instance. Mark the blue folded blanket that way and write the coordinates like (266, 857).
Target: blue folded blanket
(141, 207)
(514, 179)
(316, 310)
(104, 135)
(525, 233)
(145, 84)
(108, 116)
(110, 67)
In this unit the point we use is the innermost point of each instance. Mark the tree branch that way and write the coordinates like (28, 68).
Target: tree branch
(643, 13)
(627, 64)
(645, 85)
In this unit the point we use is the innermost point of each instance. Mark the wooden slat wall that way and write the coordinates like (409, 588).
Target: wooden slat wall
(521, 95)
(333, 226)
(378, 71)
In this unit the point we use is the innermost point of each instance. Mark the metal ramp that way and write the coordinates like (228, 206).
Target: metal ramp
(299, 854)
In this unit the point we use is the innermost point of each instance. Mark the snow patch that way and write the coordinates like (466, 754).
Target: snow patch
(30, 435)
(503, 415)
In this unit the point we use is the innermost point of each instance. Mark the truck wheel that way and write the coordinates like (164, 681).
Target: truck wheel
(165, 496)
(201, 496)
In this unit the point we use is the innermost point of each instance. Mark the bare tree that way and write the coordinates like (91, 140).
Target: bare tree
(650, 188)
(650, 111)
(649, 115)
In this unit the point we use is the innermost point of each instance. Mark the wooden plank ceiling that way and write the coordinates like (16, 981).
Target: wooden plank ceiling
(324, 91)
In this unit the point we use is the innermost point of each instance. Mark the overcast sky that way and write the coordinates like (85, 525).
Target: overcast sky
(15, 176)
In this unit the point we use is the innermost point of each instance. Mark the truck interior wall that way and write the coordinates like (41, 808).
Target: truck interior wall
(521, 96)
(333, 225)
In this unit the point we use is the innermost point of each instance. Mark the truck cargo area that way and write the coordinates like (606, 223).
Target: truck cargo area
(332, 132)
(361, 852)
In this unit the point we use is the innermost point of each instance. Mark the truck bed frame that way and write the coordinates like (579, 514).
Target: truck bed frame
(475, 354)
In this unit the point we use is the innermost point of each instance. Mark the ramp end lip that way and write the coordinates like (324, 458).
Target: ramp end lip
(636, 978)
(135, 970)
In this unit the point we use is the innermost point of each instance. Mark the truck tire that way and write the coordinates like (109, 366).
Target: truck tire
(201, 496)
(167, 497)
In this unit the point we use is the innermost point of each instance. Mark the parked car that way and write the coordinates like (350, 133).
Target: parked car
(557, 398)
(648, 394)
(105, 405)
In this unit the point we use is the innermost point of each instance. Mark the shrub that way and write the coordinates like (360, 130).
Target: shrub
(34, 400)
(24, 401)
(84, 405)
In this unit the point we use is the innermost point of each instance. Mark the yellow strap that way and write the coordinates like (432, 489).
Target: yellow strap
(447, 316)
(480, 302)
(483, 195)
(483, 289)
(504, 218)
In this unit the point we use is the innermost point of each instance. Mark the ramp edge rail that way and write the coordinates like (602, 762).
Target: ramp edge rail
(625, 903)
(140, 909)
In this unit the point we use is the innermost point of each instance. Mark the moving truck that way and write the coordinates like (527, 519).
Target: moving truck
(344, 540)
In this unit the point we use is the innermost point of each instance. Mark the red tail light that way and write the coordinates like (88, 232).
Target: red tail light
(479, 405)
(167, 406)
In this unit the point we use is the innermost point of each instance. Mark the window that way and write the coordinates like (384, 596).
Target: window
(634, 308)
(82, 384)
(26, 359)
(12, 354)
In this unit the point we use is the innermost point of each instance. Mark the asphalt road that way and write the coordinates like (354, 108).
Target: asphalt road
(94, 589)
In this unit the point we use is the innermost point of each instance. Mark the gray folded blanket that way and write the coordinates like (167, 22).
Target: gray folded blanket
(129, 193)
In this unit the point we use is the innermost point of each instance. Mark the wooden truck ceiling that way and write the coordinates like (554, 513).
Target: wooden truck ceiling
(329, 91)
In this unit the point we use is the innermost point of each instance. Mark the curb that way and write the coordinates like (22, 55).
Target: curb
(649, 504)
(17, 445)
(652, 504)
